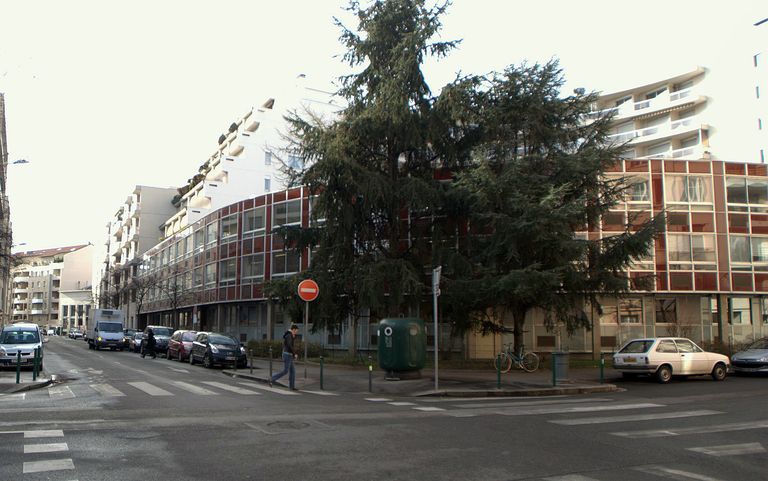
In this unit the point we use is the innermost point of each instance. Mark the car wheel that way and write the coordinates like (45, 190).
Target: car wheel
(207, 361)
(664, 374)
(719, 372)
(191, 359)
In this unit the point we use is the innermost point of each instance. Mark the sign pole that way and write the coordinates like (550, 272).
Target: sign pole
(435, 294)
(306, 322)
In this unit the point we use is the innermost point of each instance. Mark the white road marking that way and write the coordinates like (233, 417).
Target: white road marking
(149, 388)
(731, 449)
(107, 390)
(178, 370)
(428, 409)
(45, 448)
(194, 389)
(659, 433)
(676, 473)
(281, 391)
(577, 409)
(634, 417)
(378, 399)
(13, 397)
(321, 393)
(44, 433)
(511, 403)
(49, 465)
(61, 392)
(569, 477)
(230, 388)
(402, 403)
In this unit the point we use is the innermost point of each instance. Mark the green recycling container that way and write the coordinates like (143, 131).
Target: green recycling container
(402, 344)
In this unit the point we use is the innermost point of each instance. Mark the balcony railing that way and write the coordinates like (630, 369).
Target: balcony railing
(643, 107)
(695, 152)
(674, 127)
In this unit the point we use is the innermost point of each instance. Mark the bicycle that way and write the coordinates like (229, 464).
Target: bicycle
(527, 361)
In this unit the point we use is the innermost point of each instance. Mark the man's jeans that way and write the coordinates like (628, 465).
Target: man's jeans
(288, 368)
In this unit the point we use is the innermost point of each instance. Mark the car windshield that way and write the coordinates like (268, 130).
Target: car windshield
(224, 340)
(13, 336)
(110, 327)
(637, 347)
(162, 331)
(130, 332)
(759, 344)
(188, 336)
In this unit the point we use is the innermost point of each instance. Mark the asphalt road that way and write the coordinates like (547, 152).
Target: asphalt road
(119, 417)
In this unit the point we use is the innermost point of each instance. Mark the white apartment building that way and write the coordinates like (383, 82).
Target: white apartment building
(759, 42)
(40, 277)
(135, 228)
(248, 160)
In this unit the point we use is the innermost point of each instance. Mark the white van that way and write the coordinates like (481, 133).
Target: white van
(24, 338)
(106, 330)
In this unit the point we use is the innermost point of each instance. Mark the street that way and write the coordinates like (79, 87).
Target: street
(117, 416)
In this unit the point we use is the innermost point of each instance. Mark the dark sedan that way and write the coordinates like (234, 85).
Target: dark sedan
(162, 335)
(180, 344)
(212, 348)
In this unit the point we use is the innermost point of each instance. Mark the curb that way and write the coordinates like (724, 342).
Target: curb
(550, 391)
(28, 386)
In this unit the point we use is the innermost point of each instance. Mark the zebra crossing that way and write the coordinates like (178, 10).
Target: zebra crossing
(40, 453)
(584, 413)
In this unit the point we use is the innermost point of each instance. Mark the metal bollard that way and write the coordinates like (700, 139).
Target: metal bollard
(321, 373)
(498, 371)
(554, 370)
(270, 363)
(18, 366)
(250, 356)
(370, 374)
(602, 368)
(34, 364)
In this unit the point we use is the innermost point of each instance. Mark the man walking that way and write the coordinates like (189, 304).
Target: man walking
(289, 354)
(149, 345)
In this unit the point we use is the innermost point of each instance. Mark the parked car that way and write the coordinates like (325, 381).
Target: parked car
(135, 342)
(753, 359)
(211, 348)
(162, 335)
(664, 357)
(21, 338)
(127, 335)
(76, 334)
(180, 344)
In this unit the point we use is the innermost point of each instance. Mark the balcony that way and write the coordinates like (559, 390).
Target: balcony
(37, 312)
(688, 153)
(20, 290)
(661, 103)
(674, 129)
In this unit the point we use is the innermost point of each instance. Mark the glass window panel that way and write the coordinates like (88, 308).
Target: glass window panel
(674, 189)
(699, 189)
(737, 190)
(679, 247)
(757, 190)
(703, 248)
(253, 220)
(740, 310)
(638, 189)
(229, 227)
(211, 233)
(630, 311)
(210, 274)
(228, 271)
(740, 251)
(759, 249)
(253, 266)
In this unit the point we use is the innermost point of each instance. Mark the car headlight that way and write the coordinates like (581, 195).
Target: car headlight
(98, 338)
(214, 349)
(763, 359)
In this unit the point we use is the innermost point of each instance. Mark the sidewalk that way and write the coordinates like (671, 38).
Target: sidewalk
(8, 381)
(451, 382)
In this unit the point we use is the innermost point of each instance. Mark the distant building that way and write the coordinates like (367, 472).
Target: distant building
(135, 228)
(40, 276)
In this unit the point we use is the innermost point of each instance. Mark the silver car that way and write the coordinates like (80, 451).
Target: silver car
(753, 359)
(20, 339)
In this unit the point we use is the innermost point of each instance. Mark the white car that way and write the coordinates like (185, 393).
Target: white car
(665, 357)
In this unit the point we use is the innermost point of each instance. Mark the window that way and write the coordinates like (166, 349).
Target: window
(666, 311)
(684, 345)
(286, 213)
(679, 248)
(759, 249)
(189, 246)
(631, 311)
(666, 347)
(210, 275)
(688, 189)
(228, 272)
(737, 190)
(637, 189)
(211, 233)
(229, 228)
(295, 162)
(253, 222)
(199, 240)
(740, 249)
(757, 191)
(267, 158)
(252, 268)
(267, 184)
(197, 278)
(703, 247)
(285, 262)
(740, 311)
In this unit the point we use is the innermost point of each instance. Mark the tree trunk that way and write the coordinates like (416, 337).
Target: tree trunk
(518, 319)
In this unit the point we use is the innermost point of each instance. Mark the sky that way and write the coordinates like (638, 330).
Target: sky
(102, 95)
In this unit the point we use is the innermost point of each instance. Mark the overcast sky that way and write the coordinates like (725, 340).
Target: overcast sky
(102, 96)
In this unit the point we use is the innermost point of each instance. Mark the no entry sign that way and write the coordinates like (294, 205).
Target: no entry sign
(308, 290)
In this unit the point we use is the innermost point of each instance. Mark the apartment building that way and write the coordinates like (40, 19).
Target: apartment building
(135, 227)
(40, 276)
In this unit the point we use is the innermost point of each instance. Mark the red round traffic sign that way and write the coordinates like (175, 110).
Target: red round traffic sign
(308, 290)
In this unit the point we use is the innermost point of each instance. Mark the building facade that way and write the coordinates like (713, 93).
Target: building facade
(40, 276)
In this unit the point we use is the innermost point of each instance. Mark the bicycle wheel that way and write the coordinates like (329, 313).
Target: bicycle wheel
(530, 362)
(502, 362)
